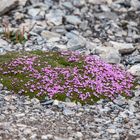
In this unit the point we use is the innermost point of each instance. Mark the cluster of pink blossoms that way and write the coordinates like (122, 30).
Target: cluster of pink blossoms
(94, 78)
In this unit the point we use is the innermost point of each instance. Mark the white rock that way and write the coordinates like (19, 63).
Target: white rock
(35, 101)
(33, 137)
(68, 112)
(123, 48)
(55, 17)
(73, 20)
(100, 1)
(111, 131)
(2, 51)
(61, 47)
(3, 43)
(50, 36)
(79, 3)
(56, 102)
(22, 2)
(135, 4)
(27, 131)
(109, 54)
(18, 115)
(7, 5)
(18, 16)
(79, 134)
(33, 12)
(135, 70)
(47, 137)
(8, 98)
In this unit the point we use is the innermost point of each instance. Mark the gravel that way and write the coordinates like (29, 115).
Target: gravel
(107, 28)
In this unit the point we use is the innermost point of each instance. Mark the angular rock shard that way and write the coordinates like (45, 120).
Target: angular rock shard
(7, 5)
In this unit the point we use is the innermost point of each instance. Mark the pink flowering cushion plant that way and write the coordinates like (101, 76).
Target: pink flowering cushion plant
(60, 75)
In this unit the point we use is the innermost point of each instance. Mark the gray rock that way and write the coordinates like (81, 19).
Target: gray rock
(34, 1)
(134, 59)
(3, 43)
(68, 5)
(68, 112)
(137, 93)
(50, 36)
(106, 15)
(76, 43)
(47, 137)
(78, 135)
(111, 131)
(123, 48)
(105, 8)
(2, 51)
(135, 4)
(73, 19)
(33, 12)
(47, 102)
(108, 54)
(27, 131)
(96, 1)
(138, 47)
(135, 70)
(1, 86)
(33, 137)
(6, 5)
(22, 2)
(55, 17)
(79, 3)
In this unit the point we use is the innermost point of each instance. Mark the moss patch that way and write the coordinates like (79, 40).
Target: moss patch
(59, 75)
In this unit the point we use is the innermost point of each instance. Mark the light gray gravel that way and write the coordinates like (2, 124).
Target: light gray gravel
(107, 28)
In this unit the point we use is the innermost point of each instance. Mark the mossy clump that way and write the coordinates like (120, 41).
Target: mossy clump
(61, 75)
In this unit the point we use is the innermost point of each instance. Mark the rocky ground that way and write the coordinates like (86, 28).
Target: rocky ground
(107, 28)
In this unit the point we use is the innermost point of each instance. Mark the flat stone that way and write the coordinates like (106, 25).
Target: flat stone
(27, 131)
(56, 102)
(35, 101)
(50, 36)
(68, 112)
(20, 115)
(111, 131)
(47, 102)
(3, 43)
(123, 48)
(79, 3)
(76, 43)
(22, 2)
(78, 135)
(33, 12)
(96, 1)
(55, 17)
(73, 20)
(135, 4)
(68, 5)
(134, 59)
(47, 137)
(106, 15)
(135, 70)
(2, 51)
(7, 5)
(33, 136)
(8, 98)
(108, 54)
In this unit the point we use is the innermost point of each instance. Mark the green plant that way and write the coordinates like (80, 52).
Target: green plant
(59, 75)
(17, 36)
